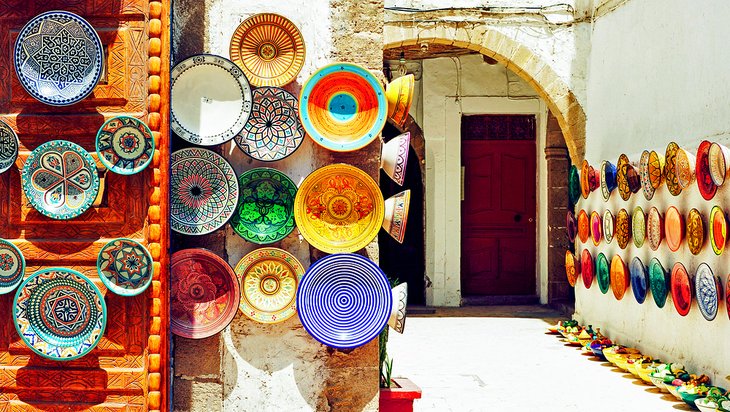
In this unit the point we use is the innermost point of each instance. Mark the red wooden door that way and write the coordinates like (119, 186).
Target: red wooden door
(498, 231)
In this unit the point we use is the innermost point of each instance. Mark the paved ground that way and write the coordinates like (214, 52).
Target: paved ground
(500, 359)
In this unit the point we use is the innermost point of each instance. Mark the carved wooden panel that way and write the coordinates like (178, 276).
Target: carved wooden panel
(127, 371)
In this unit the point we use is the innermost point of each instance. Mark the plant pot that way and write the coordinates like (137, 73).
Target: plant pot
(399, 397)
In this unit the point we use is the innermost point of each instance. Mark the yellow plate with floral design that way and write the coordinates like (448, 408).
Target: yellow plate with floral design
(269, 277)
(339, 209)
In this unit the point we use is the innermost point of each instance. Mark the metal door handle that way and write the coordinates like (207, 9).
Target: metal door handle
(530, 220)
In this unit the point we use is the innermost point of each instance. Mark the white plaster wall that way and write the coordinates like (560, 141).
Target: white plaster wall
(651, 81)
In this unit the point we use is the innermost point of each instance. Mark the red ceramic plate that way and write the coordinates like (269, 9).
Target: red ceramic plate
(670, 169)
(596, 228)
(702, 168)
(586, 264)
(673, 228)
(622, 231)
(571, 226)
(654, 228)
(585, 188)
(727, 296)
(584, 226)
(572, 267)
(695, 231)
(718, 230)
(619, 277)
(681, 289)
(594, 178)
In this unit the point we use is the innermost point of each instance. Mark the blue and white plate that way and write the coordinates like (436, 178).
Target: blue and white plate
(8, 146)
(58, 58)
(707, 290)
(639, 279)
(12, 266)
(344, 300)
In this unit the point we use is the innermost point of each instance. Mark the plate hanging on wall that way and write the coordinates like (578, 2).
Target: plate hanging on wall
(9, 145)
(718, 159)
(585, 172)
(608, 179)
(658, 282)
(572, 268)
(695, 231)
(596, 228)
(627, 179)
(608, 226)
(571, 226)
(681, 289)
(718, 229)
(639, 279)
(654, 228)
(673, 228)
(125, 145)
(573, 185)
(670, 169)
(586, 265)
(685, 163)
(727, 296)
(394, 157)
(396, 215)
(584, 226)
(12, 266)
(603, 276)
(619, 277)
(707, 290)
(125, 267)
(623, 228)
(645, 175)
(702, 167)
(638, 226)
(399, 94)
(656, 169)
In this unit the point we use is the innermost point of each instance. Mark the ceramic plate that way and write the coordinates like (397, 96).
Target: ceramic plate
(394, 157)
(608, 226)
(265, 207)
(619, 277)
(572, 267)
(656, 169)
(718, 230)
(59, 314)
(670, 169)
(681, 289)
(673, 228)
(695, 231)
(344, 300)
(596, 228)
(204, 294)
(608, 179)
(12, 266)
(573, 185)
(654, 228)
(210, 100)
(658, 281)
(8, 146)
(638, 226)
(639, 279)
(645, 175)
(397, 319)
(623, 228)
(269, 48)
(685, 164)
(586, 264)
(571, 226)
(125, 145)
(707, 290)
(269, 277)
(727, 296)
(603, 276)
(60, 179)
(396, 215)
(718, 160)
(399, 94)
(203, 191)
(627, 178)
(339, 208)
(125, 267)
(58, 58)
(584, 226)
(702, 168)
(585, 188)
(273, 130)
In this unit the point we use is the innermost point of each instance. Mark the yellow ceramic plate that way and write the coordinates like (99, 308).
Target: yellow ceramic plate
(339, 209)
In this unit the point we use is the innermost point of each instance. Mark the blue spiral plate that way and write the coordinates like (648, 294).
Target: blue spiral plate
(344, 300)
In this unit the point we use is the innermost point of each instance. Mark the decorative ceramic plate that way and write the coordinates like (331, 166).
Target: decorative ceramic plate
(399, 94)
(670, 169)
(59, 314)
(702, 168)
(584, 226)
(12, 266)
(645, 175)
(60, 179)
(269, 277)
(695, 231)
(210, 100)
(585, 188)
(204, 294)
(125, 267)
(608, 179)
(596, 228)
(603, 276)
(203, 191)
(608, 226)
(58, 58)
(707, 290)
(718, 160)
(638, 226)
(727, 296)
(658, 281)
(573, 185)
(623, 228)
(654, 228)
(125, 145)
(673, 228)
(273, 130)
(571, 226)
(656, 169)
(343, 107)
(265, 207)
(572, 267)
(396, 215)
(339, 208)
(619, 277)
(394, 157)
(681, 289)
(639, 279)
(685, 164)
(397, 319)
(344, 300)
(627, 179)
(8, 146)
(586, 264)
(718, 230)
(269, 48)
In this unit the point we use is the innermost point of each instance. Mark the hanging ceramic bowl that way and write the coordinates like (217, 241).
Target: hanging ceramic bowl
(702, 167)
(265, 210)
(343, 107)
(586, 265)
(394, 157)
(718, 230)
(656, 169)
(619, 277)
(269, 277)
(210, 100)
(572, 268)
(399, 94)
(571, 226)
(718, 159)
(203, 191)
(574, 190)
(603, 276)
(670, 169)
(344, 300)
(125, 267)
(638, 226)
(627, 178)
(339, 208)
(639, 279)
(695, 231)
(273, 131)
(59, 314)
(396, 215)
(204, 294)
(623, 228)
(269, 48)
(673, 228)
(685, 164)
(608, 226)
(585, 171)
(397, 319)
(681, 289)
(707, 291)
(125, 145)
(58, 58)
(9, 145)
(596, 228)
(12, 266)
(608, 179)
(645, 175)
(658, 282)
(584, 226)
(654, 228)
(60, 179)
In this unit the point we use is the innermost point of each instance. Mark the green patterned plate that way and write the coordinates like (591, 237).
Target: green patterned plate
(125, 267)
(602, 273)
(658, 281)
(573, 185)
(265, 211)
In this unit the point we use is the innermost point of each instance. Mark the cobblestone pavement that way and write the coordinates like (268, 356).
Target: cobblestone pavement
(500, 359)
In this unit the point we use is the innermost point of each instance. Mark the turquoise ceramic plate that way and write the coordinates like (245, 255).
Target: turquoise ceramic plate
(125, 145)
(12, 266)
(125, 267)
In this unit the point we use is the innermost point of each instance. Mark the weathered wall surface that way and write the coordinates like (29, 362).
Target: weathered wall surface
(652, 81)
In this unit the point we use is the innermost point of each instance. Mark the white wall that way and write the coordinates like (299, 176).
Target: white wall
(651, 81)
